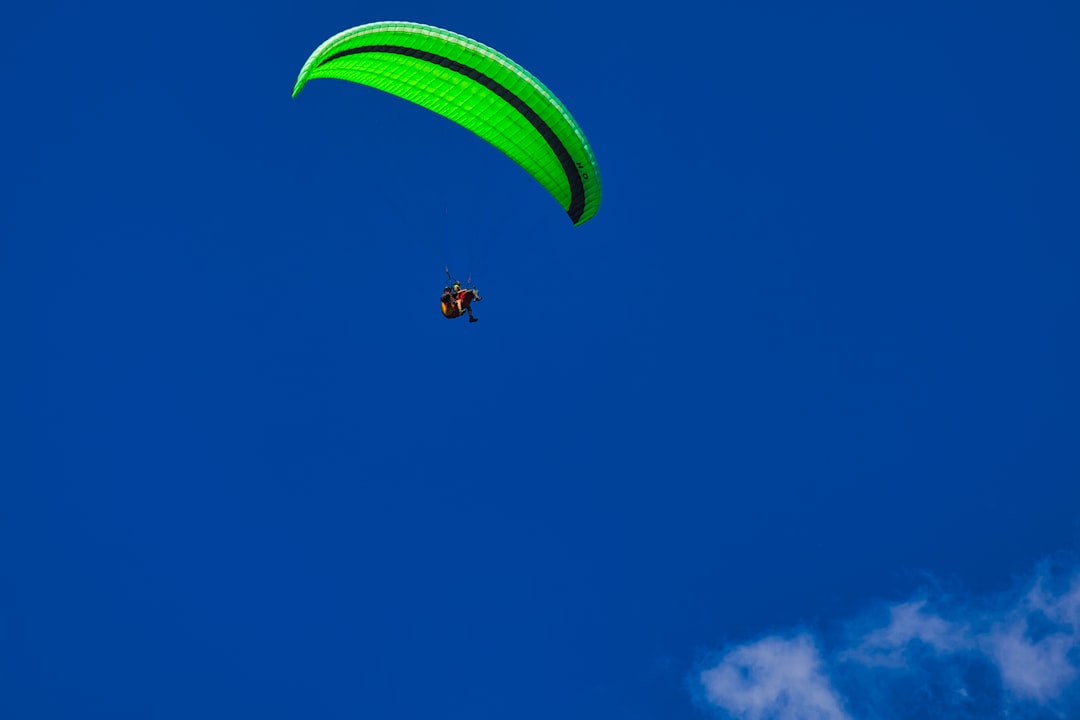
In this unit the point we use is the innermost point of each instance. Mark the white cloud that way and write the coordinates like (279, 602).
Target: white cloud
(773, 679)
(1032, 670)
(1036, 642)
(909, 622)
(1016, 654)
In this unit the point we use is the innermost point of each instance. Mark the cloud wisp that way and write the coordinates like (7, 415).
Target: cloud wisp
(1014, 655)
(775, 677)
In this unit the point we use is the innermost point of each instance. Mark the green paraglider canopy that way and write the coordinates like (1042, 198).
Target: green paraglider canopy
(478, 88)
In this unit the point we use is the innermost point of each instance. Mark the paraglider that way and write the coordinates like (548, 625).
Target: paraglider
(480, 89)
(457, 300)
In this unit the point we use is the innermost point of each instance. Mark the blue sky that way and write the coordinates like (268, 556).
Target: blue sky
(787, 430)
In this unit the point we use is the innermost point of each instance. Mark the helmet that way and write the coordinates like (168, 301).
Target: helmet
(457, 286)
